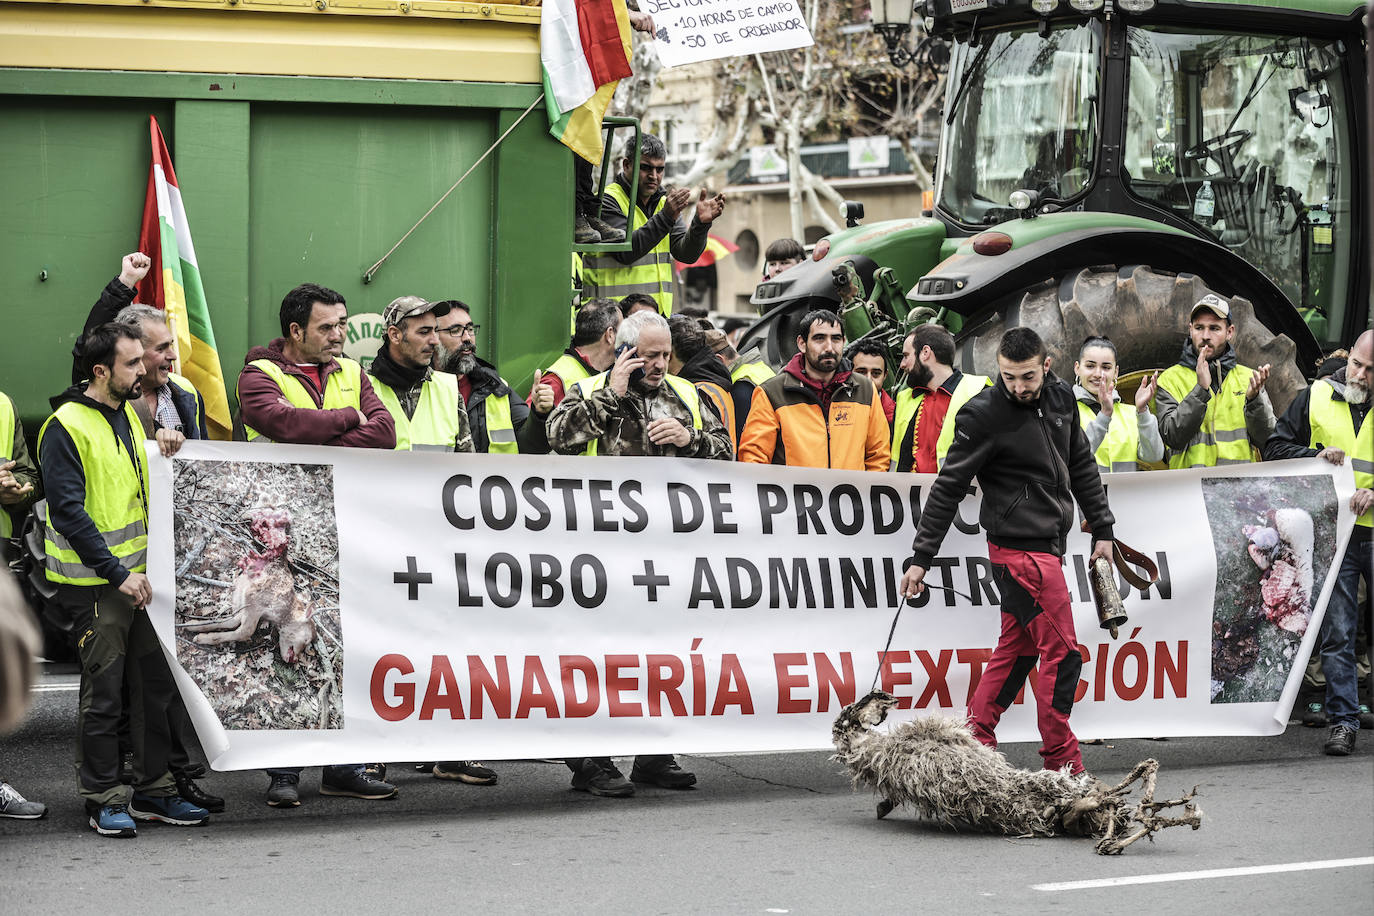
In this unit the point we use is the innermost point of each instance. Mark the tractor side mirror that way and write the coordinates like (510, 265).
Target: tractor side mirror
(1312, 105)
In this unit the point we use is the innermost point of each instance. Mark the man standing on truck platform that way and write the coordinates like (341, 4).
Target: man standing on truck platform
(1021, 438)
(300, 388)
(1211, 409)
(658, 236)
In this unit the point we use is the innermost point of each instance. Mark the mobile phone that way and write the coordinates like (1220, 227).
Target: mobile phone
(637, 374)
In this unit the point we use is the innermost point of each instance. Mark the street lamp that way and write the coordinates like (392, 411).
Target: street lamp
(892, 20)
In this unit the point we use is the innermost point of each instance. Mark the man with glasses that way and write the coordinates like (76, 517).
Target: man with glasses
(496, 414)
(658, 234)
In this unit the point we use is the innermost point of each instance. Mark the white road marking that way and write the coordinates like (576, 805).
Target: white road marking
(1203, 875)
(55, 688)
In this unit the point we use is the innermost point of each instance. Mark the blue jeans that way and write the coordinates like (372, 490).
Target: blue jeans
(1338, 632)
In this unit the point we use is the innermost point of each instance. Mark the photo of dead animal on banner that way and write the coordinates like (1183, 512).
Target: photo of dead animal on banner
(257, 592)
(1275, 541)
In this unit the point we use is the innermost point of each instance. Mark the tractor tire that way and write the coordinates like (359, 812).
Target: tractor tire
(1144, 310)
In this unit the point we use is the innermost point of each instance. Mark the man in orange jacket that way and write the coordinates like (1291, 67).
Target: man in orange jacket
(817, 412)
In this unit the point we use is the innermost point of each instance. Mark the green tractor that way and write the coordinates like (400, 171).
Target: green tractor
(1104, 163)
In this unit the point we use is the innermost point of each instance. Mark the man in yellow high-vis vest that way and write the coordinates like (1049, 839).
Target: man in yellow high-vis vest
(923, 419)
(18, 476)
(300, 388)
(636, 408)
(1212, 410)
(658, 236)
(95, 522)
(424, 403)
(591, 350)
(496, 414)
(1332, 419)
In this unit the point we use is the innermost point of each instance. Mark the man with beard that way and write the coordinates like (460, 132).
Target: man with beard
(496, 414)
(1211, 409)
(1331, 420)
(1021, 438)
(95, 532)
(869, 357)
(659, 414)
(657, 234)
(425, 405)
(591, 350)
(924, 425)
(817, 412)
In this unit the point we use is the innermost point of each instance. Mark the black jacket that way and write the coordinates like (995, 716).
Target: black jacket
(705, 366)
(1031, 460)
(486, 383)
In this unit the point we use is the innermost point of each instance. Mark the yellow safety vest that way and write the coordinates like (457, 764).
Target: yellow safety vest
(1119, 447)
(909, 410)
(569, 370)
(435, 426)
(7, 422)
(685, 390)
(756, 372)
(116, 494)
(1222, 438)
(343, 388)
(652, 274)
(500, 425)
(1333, 426)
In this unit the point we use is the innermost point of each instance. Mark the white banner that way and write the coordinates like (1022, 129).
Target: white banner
(426, 606)
(689, 31)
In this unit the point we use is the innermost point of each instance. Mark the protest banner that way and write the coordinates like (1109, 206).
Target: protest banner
(688, 31)
(326, 605)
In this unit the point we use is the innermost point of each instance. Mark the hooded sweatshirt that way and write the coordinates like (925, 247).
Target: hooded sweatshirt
(260, 408)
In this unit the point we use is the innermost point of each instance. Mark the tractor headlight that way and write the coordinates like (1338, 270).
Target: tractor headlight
(1086, 6)
(1135, 6)
(1044, 7)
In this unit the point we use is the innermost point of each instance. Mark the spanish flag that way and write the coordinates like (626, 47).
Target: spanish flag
(173, 285)
(585, 49)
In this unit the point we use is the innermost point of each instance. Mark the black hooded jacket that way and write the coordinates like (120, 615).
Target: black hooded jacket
(1031, 461)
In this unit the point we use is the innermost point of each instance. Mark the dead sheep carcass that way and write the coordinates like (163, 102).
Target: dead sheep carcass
(935, 766)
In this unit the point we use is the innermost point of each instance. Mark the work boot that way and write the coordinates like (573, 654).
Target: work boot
(1341, 742)
(591, 777)
(360, 784)
(468, 771)
(112, 821)
(583, 233)
(187, 789)
(167, 809)
(12, 804)
(283, 792)
(661, 770)
(608, 232)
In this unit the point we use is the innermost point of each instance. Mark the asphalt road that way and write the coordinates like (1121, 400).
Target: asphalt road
(779, 833)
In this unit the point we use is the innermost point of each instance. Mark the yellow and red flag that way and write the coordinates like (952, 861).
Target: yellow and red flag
(173, 285)
(716, 248)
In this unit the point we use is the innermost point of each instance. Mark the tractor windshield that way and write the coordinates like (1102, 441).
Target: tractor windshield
(1249, 137)
(1021, 117)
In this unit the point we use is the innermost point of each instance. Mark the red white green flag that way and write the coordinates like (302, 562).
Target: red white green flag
(585, 49)
(173, 285)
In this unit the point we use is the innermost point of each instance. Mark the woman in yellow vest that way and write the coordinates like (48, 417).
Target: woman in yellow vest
(1118, 437)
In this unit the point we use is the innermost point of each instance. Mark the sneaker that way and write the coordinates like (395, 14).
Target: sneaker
(167, 809)
(284, 790)
(607, 784)
(187, 789)
(665, 774)
(1314, 716)
(361, 784)
(468, 771)
(583, 233)
(1341, 742)
(607, 232)
(113, 820)
(12, 804)
(1366, 717)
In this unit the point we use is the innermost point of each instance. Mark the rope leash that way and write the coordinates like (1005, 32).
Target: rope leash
(901, 603)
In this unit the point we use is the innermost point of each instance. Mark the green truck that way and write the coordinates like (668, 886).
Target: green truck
(1106, 162)
(308, 136)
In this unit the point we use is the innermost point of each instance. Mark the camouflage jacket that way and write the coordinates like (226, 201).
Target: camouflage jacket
(619, 424)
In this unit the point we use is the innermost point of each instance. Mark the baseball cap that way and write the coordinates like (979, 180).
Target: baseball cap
(716, 340)
(409, 307)
(1214, 304)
